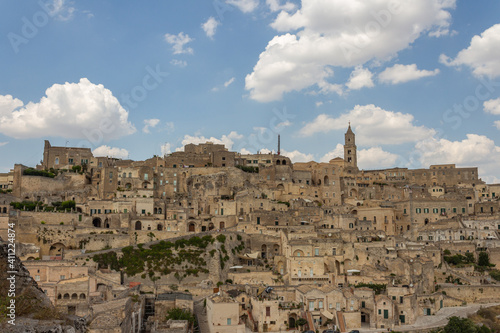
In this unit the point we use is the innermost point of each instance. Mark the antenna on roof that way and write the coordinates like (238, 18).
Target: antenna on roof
(279, 151)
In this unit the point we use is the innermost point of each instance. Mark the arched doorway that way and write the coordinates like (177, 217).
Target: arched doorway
(291, 321)
(159, 227)
(222, 225)
(426, 221)
(211, 226)
(97, 222)
(138, 225)
(191, 227)
(106, 223)
(326, 181)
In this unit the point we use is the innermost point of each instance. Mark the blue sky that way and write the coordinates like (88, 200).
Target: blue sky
(418, 80)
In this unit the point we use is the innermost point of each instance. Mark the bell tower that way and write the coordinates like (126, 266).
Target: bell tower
(350, 154)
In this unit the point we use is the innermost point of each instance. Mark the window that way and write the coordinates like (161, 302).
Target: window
(145, 176)
(37, 277)
(316, 251)
(419, 210)
(334, 251)
(70, 161)
(111, 175)
(386, 314)
(258, 220)
(57, 160)
(363, 304)
(143, 211)
(268, 311)
(426, 210)
(229, 321)
(435, 210)
(311, 306)
(320, 304)
(62, 277)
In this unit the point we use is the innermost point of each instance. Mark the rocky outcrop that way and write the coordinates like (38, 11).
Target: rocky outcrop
(33, 310)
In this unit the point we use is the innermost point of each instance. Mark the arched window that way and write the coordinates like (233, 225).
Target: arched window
(82, 296)
(124, 175)
(138, 225)
(74, 296)
(284, 162)
(59, 296)
(130, 175)
(66, 296)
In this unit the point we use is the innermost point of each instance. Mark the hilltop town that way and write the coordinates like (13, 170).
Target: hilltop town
(215, 241)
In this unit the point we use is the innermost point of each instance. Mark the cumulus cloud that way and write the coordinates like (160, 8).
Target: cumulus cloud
(275, 6)
(150, 123)
(492, 106)
(108, 151)
(227, 140)
(360, 78)
(166, 149)
(70, 110)
(475, 150)
(297, 156)
(178, 63)
(404, 73)
(210, 26)
(337, 152)
(246, 6)
(319, 36)
(372, 125)
(179, 42)
(376, 158)
(481, 55)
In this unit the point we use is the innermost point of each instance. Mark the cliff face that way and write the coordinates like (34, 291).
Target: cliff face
(33, 310)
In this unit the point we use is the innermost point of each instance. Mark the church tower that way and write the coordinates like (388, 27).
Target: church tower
(350, 155)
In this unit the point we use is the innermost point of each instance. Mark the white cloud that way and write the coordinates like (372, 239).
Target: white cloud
(337, 152)
(70, 110)
(3, 143)
(297, 156)
(275, 6)
(229, 82)
(360, 78)
(225, 85)
(227, 140)
(318, 104)
(376, 158)
(322, 34)
(475, 150)
(166, 149)
(372, 126)
(492, 106)
(210, 26)
(150, 123)
(404, 73)
(246, 6)
(60, 9)
(497, 124)
(110, 152)
(283, 124)
(481, 55)
(178, 63)
(9, 103)
(179, 42)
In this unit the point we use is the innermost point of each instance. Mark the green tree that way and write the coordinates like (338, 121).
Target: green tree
(300, 322)
(463, 325)
(180, 314)
(484, 259)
